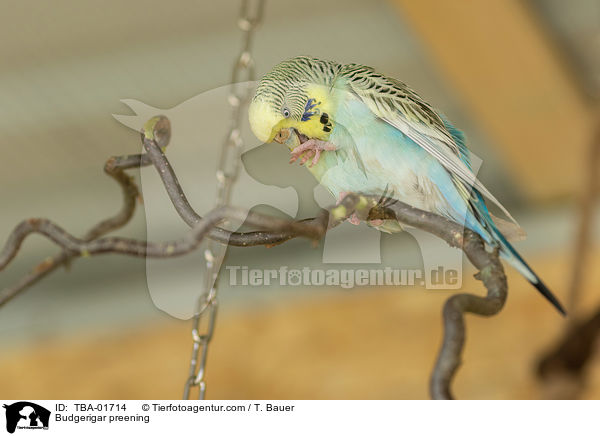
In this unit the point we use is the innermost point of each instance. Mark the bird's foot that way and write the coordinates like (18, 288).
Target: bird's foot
(311, 149)
(352, 219)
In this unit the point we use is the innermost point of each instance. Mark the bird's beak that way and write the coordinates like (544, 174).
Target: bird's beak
(283, 135)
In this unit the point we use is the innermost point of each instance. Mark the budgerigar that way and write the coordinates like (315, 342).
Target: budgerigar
(363, 132)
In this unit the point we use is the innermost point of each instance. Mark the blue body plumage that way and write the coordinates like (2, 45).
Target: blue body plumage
(378, 136)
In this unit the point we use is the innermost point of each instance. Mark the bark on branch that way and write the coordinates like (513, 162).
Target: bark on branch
(270, 230)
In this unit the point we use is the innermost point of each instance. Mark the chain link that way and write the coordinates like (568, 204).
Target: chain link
(241, 88)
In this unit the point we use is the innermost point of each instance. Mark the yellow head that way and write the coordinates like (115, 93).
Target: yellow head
(296, 94)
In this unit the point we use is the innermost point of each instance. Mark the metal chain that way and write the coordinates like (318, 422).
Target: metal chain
(206, 311)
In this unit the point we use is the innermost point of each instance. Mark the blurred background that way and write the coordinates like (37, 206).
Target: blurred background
(521, 78)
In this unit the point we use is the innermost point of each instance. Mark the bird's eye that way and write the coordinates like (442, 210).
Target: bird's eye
(286, 112)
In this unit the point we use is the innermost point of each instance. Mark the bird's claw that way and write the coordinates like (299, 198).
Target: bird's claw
(354, 219)
(311, 149)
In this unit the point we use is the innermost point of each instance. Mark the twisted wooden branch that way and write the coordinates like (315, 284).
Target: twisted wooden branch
(491, 273)
(115, 167)
(155, 137)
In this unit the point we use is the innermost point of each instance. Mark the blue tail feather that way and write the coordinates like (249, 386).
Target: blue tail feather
(533, 277)
(482, 223)
(512, 256)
